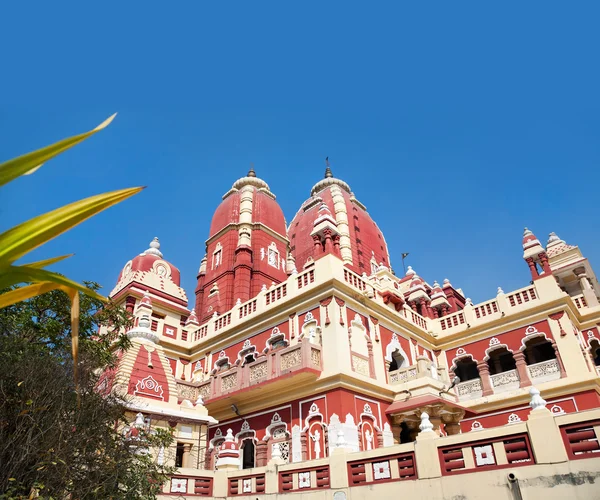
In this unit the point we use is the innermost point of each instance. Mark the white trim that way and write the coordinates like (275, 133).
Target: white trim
(168, 412)
(527, 407)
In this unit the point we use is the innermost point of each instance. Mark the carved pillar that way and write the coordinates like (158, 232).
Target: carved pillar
(317, 247)
(186, 459)
(532, 269)
(436, 313)
(304, 445)
(130, 304)
(336, 245)
(486, 381)
(413, 305)
(544, 261)
(328, 242)
(563, 372)
(261, 454)
(521, 364)
(452, 428)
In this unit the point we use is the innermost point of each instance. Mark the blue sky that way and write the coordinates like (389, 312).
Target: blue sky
(455, 123)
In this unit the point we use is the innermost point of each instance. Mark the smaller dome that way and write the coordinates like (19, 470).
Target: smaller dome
(529, 239)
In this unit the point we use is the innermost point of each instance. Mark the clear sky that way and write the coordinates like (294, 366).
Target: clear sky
(455, 123)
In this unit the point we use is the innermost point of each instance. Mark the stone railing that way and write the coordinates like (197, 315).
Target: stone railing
(423, 368)
(505, 381)
(470, 389)
(532, 452)
(271, 366)
(544, 371)
(491, 310)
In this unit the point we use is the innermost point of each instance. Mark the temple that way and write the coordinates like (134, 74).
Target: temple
(305, 364)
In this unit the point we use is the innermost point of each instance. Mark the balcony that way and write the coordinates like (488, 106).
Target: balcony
(505, 381)
(272, 371)
(544, 371)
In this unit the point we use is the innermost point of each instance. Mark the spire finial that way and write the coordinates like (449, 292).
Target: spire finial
(251, 172)
(327, 169)
(154, 248)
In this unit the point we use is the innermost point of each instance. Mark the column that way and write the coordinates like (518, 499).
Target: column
(532, 269)
(484, 374)
(525, 381)
(563, 372)
(317, 247)
(186, 459)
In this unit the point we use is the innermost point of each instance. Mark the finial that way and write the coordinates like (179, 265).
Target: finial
(410, 271)
(154, 248)
(500, 291)
(229, 436)
(552, 237)
(327, 169)
(426, 425)
(536, 403)
(139, 420)
(251, 172)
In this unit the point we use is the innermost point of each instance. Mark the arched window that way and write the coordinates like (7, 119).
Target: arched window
(397, 362)
(405, 436)
(538, 349)
(595, 351)
(501, 360)
(248, 454)
(466, 369)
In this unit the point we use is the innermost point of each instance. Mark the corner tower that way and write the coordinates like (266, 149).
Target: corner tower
(246, 248)
(333, 213)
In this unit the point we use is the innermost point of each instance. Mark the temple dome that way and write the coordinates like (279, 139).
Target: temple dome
(265, 208)
(152, 271)
(361, 241)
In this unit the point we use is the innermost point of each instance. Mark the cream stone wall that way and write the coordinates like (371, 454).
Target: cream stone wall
(550, 473)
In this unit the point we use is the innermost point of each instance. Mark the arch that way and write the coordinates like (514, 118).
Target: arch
(538, 349)
(394, 346)
(500, 359)
(247, 354)
(247, 454)
(398, 361)
(368, 430)
(595, 351)
(276, 340)
(465, 368)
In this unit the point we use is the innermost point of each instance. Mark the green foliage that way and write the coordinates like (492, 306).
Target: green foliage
(52, 445)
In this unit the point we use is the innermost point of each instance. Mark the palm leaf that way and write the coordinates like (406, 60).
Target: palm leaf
(30, 162)
(26, 292)
(29, 235)
(14, 275)
(48, 262)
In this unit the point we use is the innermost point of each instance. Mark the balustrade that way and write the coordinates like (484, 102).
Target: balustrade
(544, 371)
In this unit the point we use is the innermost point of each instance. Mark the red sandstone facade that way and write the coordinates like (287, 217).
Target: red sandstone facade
(302, 340)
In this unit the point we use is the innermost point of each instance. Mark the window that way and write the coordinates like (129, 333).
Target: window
(595, 350)
(248, 454)
(397, 362)
(501, 360)
(273, 256)
(466, 369)
(538, 350)
(180, 450)
(217, 256)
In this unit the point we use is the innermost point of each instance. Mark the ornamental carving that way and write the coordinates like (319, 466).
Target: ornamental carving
(469, 387)
(460, 351)
(360, 365)
(484, 455)
(204, 391)
(229, 382)
(187, 392)
(291, 359)
(304, 480)
(258, 372)
(505, 378)
(315, 357)
(381, 470)
(149, 387)
(476, 426)
(543, 369)
(513, 418)
(494, 341)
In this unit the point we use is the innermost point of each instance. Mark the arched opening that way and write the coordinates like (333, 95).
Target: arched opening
(501, 360)
(397, 362)
(405, 434)
(466, 369)
(249, 359)
(248, 454)
(595, 351)
(538, 350)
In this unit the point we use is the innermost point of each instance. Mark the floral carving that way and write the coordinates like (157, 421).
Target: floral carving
(315, 357)
(229, 382)
(291, 359)
(360, 365)
(258, 372)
